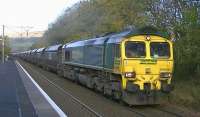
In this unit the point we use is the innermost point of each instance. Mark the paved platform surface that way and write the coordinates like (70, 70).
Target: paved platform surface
(19, 96)
(14, 100)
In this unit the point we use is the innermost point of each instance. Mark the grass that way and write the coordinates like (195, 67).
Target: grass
(187, 93)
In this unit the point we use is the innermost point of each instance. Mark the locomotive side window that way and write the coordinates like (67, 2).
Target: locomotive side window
(160, 50)
(135, 49)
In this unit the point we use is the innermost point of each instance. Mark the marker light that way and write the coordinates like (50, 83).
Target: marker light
(148, 38)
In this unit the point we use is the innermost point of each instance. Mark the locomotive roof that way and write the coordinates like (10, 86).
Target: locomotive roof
(117, 37)
(28, 51)
(53, 48)
(112, 38)
(40, 49)
(32, 51)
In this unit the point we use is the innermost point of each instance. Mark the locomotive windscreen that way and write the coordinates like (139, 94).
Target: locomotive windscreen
(135, 49)
(160, 50)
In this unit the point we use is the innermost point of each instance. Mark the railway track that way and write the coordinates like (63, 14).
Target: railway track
(157, 111)
(86, 110)
(170, 112)
(90, 110)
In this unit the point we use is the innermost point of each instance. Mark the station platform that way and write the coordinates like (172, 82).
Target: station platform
(21, 96)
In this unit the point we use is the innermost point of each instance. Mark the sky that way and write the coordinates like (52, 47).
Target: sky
(34, 13)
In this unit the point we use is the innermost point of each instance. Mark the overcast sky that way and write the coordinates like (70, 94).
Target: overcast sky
(36, 13)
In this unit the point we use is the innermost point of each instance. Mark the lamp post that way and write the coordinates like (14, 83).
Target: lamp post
(3, 45)
(2, 50)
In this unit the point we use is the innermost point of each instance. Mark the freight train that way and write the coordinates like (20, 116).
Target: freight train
(131, 66)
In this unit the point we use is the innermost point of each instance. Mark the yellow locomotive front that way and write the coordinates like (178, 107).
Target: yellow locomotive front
(146, 68)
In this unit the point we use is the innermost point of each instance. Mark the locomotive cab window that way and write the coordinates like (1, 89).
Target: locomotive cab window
(160, 50)
(135, 49)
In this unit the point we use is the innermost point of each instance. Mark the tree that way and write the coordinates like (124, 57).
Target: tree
(94, 17)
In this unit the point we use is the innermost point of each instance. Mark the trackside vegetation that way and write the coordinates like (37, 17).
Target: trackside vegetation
(179, 18)
(7, 48)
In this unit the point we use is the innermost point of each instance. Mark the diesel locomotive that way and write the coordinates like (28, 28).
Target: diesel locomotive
(135, 67)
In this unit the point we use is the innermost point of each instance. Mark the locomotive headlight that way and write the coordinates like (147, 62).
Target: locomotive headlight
(165, 75)
(130, 74)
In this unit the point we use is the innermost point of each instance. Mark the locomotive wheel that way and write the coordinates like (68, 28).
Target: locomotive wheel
(43, 67)
(47, 68)
(104, 92)
(95, 88)
(60, 73)
(116, 95)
